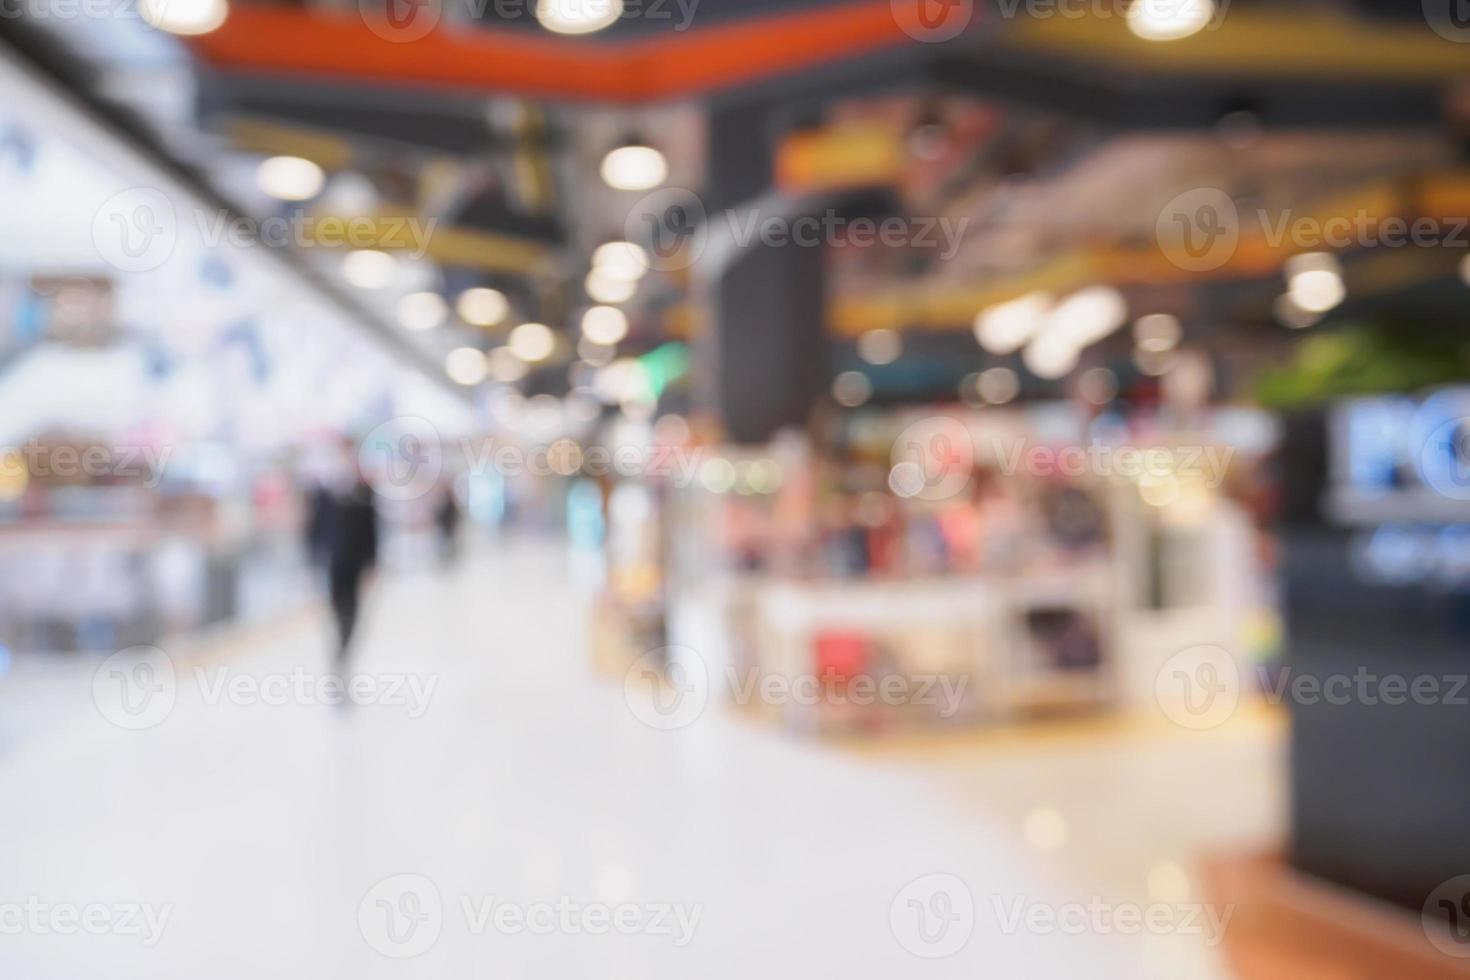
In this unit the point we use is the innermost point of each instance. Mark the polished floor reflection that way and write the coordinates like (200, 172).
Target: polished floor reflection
(501, 812)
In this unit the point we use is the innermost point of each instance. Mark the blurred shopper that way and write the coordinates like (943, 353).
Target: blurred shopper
(446, 518)
(343, 530)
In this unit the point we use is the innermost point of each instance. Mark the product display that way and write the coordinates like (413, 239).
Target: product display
(1033, 589)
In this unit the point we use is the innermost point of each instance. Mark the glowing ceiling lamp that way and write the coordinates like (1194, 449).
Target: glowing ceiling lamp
(368, 268)
(880, 346)
(1050, 357)
(603, 288)
(621, 260)
(1314, 281)
(634, 166)
(578, 16)
(185, 17)
(1157, 332)
(482, 307)
(422, 311)
(604, 325)
(998, 385)
(851, 389)
(505, 366)
(532, 342)
(1087, 316)
(1169, 20)
(290, 178)
(1005, 328)
(466, 366)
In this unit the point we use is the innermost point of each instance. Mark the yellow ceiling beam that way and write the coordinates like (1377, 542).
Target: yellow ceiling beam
(404, 231)
(927, 305)
(273, 139)
(486, 251)
(1254, 41)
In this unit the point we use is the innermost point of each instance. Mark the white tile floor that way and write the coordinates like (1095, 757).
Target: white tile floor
(260, 830)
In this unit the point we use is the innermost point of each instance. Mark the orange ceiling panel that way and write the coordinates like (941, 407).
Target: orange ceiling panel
(343, 46)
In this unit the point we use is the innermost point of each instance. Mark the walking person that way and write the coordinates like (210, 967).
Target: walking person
(342, 532)
(352, 556)
(446, 519)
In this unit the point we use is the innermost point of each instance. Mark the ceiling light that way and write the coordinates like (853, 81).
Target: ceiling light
(998, 385)
(1157, 332)
(851, 388)
(605, 289)
(289, 178)
(532, 342)
(1004, 329)
(351, 195)
(621, 260)
(1087, 316)
(717, 475)
(466, 366)
(422, 311)
(187, 17)
(578, 16)
(1050, 356)
(1311, 262)
(634, 166)
(605, 325)
(1154, 363)
(369, 269)
(1169, 20)
(505, 366)
(1314, 281)
(880, 346)
(481, 307)
(1317, 290)
(1083, 318)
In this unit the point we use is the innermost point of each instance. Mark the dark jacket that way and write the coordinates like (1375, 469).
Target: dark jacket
(350, 532)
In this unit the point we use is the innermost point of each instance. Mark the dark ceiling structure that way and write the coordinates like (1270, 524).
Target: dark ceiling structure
(470, 114)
